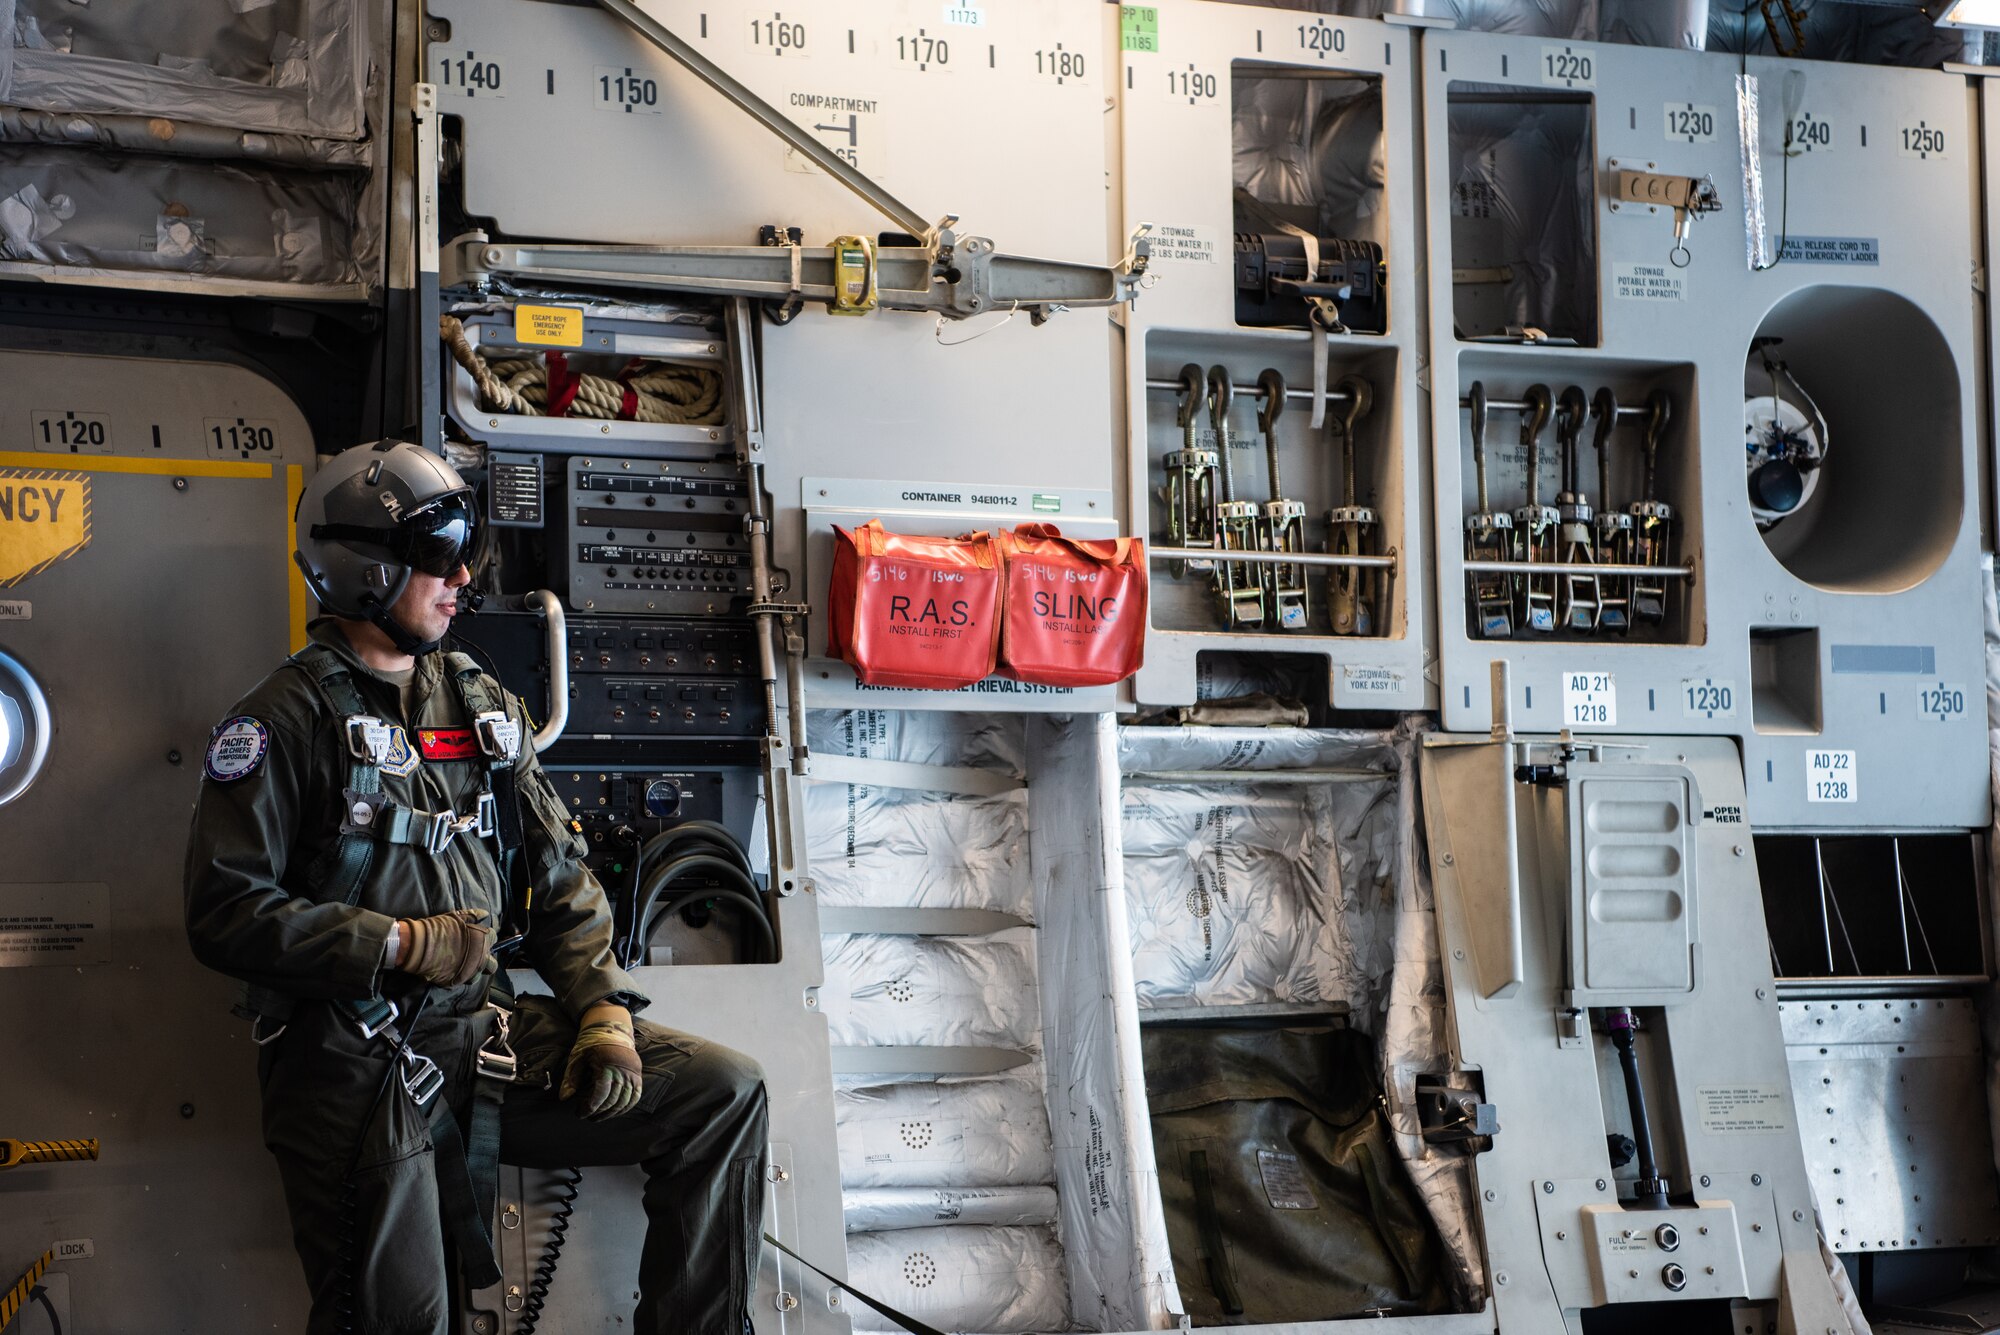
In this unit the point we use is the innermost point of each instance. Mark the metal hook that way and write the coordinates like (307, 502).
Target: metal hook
(1659, 412)
(1534, 417)
(1477, 397)
(1193, 391)
(1271, 390)
(1604, 407)
(1571, 409)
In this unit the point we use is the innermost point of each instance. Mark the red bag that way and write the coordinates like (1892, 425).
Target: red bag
(914, 611)
(1075, 612)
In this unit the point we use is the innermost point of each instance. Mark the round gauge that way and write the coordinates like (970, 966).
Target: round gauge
(663, 798)
(24, 728)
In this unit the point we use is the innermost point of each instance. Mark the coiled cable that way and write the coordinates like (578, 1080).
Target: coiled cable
(696, 848)
(545, 1269)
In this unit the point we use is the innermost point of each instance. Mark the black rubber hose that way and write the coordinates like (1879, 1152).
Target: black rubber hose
(704, 831)
(727, 872)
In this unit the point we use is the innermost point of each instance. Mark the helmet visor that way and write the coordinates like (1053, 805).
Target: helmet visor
(434, 539)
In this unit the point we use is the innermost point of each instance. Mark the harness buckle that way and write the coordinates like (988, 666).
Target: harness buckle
(370, 1027)
(421, 1077)
(499, 735)
(439, 829)
(495, 1059)
(486, 816)
(368, 738)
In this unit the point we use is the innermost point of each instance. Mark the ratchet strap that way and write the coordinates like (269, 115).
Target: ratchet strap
(909, 1323)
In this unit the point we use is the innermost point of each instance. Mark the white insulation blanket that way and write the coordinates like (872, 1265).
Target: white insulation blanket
(936, 991)
(976, 741)
(970, 1278)
(871, 846)
(1244, 892)
(882, 1209)
(982, 1131)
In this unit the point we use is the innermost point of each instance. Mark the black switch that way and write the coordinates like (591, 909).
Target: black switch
(690, 693)
(620, 693)
(621, 794)
(607, 641)
(656, 693)
(643, 642)
(724, 694)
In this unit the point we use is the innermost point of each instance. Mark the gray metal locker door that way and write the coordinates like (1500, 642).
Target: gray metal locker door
(181, 598)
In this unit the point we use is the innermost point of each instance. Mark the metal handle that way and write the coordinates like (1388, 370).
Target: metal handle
(551, 608)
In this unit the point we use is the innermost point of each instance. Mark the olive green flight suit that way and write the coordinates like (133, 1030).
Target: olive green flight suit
(263, 842)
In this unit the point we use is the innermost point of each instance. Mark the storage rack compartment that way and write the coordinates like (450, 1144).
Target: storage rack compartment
(1587, 469)
(1899, 908)
(650, 381)
(1523, 215)
(1308, 159)
(916, 846)
(1319, 556)
(959, 1037)
(1255, 866)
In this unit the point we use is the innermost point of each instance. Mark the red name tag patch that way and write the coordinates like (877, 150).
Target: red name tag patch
(447, 744)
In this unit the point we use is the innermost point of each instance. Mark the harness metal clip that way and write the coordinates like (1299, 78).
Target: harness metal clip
(371, 1029)
(495, 1059)
(499, 735)
(486, 816)
(368, 738)
(421, 1077)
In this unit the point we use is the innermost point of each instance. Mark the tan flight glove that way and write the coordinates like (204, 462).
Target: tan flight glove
(448, 949)
(604, 1064)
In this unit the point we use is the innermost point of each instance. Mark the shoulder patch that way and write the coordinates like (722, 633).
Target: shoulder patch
(400, 759)
(237, 747)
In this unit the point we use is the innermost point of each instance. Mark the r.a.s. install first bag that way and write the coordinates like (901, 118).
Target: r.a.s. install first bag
(913, 611)
(1075, 608)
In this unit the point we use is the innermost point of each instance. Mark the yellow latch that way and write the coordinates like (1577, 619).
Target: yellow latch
(853, 276)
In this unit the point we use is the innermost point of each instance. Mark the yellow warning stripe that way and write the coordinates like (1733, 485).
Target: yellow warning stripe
(17, 1295)
(295, 584)
(158, 467)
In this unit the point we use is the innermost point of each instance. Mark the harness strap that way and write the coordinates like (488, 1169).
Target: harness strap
(354, 854)
(468, 1179)
(488, 711)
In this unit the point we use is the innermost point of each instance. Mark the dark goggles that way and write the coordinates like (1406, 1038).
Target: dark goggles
(433, 540)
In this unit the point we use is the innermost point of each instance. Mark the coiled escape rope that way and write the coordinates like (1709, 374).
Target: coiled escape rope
(645, 391)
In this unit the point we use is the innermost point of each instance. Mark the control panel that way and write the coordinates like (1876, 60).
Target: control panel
(657, 535)
(631, 679)
(621, 807)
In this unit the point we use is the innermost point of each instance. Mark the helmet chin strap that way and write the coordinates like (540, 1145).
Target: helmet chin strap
(398, 635)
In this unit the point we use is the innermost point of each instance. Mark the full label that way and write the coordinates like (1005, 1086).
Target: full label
(1708, 697)
(1568, 67)
(1590, 700)
(1943, 701)
(1832, 776)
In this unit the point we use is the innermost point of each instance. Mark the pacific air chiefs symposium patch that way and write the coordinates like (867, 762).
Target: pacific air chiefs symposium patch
(237, 749)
